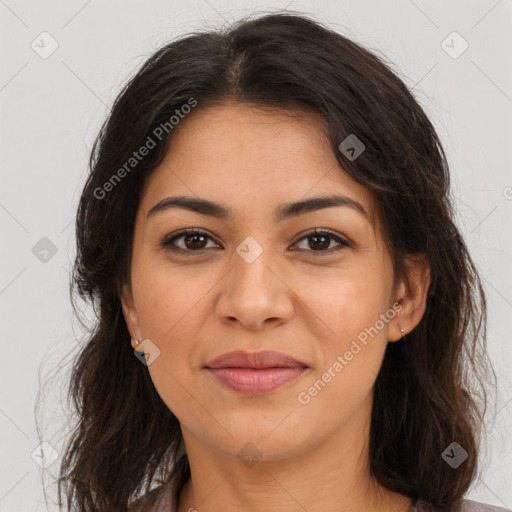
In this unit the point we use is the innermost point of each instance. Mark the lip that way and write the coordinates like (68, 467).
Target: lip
(253, 381)
(255, 360)
(255, 373)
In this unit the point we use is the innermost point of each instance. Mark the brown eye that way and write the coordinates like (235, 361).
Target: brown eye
(320, 241)
(192, 241)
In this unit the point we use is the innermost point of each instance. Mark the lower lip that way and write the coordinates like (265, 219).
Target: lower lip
(252, 381)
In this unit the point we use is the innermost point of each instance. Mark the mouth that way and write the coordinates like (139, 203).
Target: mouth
(255, 373)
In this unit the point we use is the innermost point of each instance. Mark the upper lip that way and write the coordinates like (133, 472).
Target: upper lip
(263, 359)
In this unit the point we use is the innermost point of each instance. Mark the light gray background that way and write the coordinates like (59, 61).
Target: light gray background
(52, 109)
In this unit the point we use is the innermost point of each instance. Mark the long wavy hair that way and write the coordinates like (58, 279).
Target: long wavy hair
(430, 391)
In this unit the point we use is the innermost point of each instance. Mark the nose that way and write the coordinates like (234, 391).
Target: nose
(255, 293)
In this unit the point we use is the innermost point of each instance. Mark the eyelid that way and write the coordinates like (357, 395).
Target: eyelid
(321, 231)
(167, 241)
(343, 242)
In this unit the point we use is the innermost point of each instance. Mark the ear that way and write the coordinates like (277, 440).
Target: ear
(411, 295)
(130, 316)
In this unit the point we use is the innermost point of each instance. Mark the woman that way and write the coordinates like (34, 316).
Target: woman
(284, 302)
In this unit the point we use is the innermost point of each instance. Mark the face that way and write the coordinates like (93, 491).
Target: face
(252, 280)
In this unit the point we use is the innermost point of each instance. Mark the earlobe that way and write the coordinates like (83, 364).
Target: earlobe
(412, 297)
(130, 316)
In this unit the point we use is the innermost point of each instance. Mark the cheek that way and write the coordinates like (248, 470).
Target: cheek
(347, 300)
(172, 307)
(335, 305)
(335, 309)
(166, 298)
(352, 352)
(352, 345)
(168, 305)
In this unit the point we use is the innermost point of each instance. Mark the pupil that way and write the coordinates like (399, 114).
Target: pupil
(192, 237)
(192, 240)
(322, 246)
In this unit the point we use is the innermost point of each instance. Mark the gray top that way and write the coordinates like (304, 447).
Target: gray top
(161, 500)
(462, 506)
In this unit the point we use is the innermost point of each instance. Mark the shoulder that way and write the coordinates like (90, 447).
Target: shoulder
(475, 506)
(159, 499)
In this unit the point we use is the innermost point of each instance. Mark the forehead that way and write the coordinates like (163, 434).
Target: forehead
(244, 156)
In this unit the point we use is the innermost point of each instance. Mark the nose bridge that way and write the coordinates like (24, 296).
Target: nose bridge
(250, 270)
(253, 293)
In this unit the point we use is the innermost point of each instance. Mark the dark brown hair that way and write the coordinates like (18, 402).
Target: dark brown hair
(430, 391)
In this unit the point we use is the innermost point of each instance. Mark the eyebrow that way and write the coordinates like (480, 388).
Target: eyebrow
(282, 212)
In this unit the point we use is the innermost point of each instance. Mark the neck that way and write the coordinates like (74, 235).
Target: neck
(334, 475)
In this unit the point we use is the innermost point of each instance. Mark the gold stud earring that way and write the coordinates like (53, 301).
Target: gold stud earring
(135, 340)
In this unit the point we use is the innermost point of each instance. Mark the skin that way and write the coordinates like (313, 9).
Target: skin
(197, 305)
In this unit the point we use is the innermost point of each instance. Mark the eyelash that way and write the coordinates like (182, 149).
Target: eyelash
(167, 243)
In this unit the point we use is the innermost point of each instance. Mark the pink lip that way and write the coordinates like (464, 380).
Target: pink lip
(263, 359)
(251, 381)
(255, 373)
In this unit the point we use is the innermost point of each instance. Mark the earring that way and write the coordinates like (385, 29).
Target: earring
(401, 330)
(135, 340)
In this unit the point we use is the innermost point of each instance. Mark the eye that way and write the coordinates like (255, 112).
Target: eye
(321, 240)
(193, 241)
